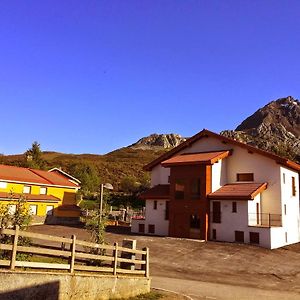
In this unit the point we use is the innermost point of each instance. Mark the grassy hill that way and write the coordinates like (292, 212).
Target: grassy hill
(111, 167)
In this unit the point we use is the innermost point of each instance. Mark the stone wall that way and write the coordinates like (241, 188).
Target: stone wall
(59, 286)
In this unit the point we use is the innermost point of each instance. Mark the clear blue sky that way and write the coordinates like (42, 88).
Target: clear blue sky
(92, 76)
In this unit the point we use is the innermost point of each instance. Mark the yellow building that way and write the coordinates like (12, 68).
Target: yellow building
(50, 195)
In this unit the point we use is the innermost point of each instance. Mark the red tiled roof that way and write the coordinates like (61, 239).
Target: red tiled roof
(161, 191)
(238, 191)
(55, 178)
(33, 176)
(196, 158)
(206, 133)
(28, 197)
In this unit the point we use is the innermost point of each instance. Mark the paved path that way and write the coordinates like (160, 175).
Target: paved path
(198, 290)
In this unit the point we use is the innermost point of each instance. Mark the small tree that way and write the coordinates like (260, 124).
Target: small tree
(21, 217)
(34, 156)
(96, 226)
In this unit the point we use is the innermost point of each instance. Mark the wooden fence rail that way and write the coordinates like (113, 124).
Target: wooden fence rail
(79, 255)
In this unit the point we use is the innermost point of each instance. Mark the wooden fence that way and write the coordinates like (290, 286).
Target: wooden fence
(78, 256)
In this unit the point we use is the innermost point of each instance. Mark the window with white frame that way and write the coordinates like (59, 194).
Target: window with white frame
(3, 185)
(26, 189)
(33, 210)
(43, 191)
(12, 209)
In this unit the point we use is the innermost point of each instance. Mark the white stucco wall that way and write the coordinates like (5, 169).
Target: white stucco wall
(231, 222)
(264, 170)
(159, 175)
(153, 217)
(219, 174)
(290, 220)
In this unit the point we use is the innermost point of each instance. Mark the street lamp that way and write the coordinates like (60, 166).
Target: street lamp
(102, 186)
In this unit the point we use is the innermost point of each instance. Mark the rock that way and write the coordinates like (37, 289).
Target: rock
(155, 141)
(275, 128)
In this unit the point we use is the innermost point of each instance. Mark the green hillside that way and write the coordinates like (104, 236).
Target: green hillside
(112, 167)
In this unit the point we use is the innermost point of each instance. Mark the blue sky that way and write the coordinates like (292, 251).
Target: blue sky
(92, 76)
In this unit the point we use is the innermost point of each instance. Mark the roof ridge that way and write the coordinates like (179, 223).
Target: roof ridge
(33, 171)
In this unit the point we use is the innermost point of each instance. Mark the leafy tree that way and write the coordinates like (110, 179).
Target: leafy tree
(87, 174)
(34, 156)
(129, 185)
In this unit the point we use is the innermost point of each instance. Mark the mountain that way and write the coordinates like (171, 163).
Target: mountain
(158, 141)
(274, 127)
(113, 167)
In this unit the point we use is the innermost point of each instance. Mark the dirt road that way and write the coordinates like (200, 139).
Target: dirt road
(215, 270)
(199, 290)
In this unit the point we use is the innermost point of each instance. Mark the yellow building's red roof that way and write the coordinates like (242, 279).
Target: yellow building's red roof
(33, 176)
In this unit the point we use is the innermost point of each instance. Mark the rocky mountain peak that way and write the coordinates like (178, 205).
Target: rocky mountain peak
(159, 141)
(274, 127)
(284, 112)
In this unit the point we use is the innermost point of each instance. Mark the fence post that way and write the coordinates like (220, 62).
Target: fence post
(73, 249)
(131, 244)
(14, 248)
(145, 257)
(115, 261)
(63, 245)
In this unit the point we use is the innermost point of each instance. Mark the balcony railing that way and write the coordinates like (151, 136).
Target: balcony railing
(264, 220)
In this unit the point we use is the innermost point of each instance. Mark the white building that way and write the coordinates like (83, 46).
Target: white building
(214, 188)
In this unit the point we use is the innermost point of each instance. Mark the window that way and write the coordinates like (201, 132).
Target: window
(179, 189)
(195, 222)
(214, 234)
(216, 215)
(284, 209)
(293, 186)
(239, 236)
(245, 177)
(12, 209)
(151, 228)
(141, 228)
(254, 237)
(167, 211)
(154, 204)
(283, 177)
(234, 207)
(195, 188)
(3, 185)
(33, 210)
(43, 191)
(49, 210)
(26, 189)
